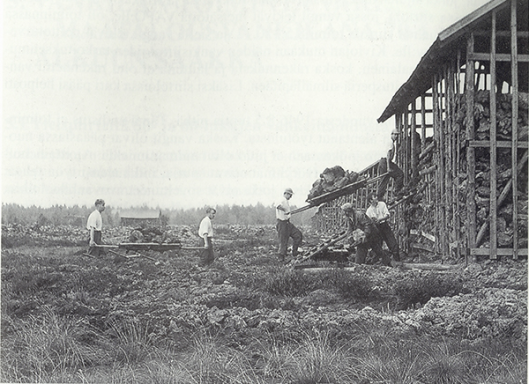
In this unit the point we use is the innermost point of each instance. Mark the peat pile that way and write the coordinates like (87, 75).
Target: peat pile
(152, 235)
(419, 215)
(332, 179)
(162, 235)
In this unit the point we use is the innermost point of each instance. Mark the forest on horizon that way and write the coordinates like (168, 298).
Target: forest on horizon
(76, 215)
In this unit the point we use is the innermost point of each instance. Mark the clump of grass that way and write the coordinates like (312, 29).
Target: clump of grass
(273, 358)
(350, 285)
(130, 341)
(316, 360)
(210, 361)
(420, 289)
(44, 347)
(291, 283)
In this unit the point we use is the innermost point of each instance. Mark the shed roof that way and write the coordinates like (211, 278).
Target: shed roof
(140, 214)
(447, 44)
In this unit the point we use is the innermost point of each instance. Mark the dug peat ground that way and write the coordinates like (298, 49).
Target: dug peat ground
(157, 318)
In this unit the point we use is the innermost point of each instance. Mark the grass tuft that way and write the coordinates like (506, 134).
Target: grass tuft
(291, 283)
(131, 343)
(44, 346)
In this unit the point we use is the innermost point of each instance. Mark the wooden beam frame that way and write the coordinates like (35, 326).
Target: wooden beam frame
(493, 215)
(499, 57)
(499, 144)
(413, 143)
(471, 153)
(453, 145)
(499, 252)
(514, 125)
(454, 135)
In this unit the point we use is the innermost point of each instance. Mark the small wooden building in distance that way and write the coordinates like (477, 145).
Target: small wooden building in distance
(140, 217)
(463, 118)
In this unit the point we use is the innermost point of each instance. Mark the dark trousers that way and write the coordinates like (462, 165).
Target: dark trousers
(362, 249)
(394, 172)
(285, 230)
(387, 235)
(97, 239)
(206, 254)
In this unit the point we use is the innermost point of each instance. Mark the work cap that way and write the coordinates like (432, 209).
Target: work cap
(347, 207)
(289, 190)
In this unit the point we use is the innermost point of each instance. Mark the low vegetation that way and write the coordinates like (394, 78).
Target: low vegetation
(71, 318)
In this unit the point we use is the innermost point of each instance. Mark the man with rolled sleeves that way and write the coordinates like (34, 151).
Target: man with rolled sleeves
(205, 232)
(94, 224)
(285, 229)
(379, 213)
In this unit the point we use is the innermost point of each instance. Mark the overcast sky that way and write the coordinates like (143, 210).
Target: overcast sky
(182, 104)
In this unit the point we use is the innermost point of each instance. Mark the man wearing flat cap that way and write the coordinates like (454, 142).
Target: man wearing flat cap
(387, 164)
(363, 235)
(285, 229)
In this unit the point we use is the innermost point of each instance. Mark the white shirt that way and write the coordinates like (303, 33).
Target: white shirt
(380, 212)
(283, 215)
(205, 227)
(95, 221)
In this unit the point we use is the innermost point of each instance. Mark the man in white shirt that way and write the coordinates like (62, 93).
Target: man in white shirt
(387, 164)
(378, 212)
(285, 229)
(94, 224)
(205, 232)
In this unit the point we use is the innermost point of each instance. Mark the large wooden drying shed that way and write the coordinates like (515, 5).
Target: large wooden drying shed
(465, 106)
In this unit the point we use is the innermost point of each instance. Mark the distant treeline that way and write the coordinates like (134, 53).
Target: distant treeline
(76, 215)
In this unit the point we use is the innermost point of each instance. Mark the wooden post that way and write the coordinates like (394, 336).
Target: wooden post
(399, 126)
(437, 159)
(451, 131)
(514, 124)
(457, 143)
(413, 132)
(476, 84)
(441, 105)
(423, 122)
(448, 178)
(405, 145)
(493, 153)
(471, 152)
(399, 145)
(449, 172)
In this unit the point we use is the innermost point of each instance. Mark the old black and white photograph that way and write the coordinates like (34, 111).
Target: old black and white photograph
(268, 191)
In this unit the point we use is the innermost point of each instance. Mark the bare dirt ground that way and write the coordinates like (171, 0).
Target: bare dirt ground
(247, 294)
